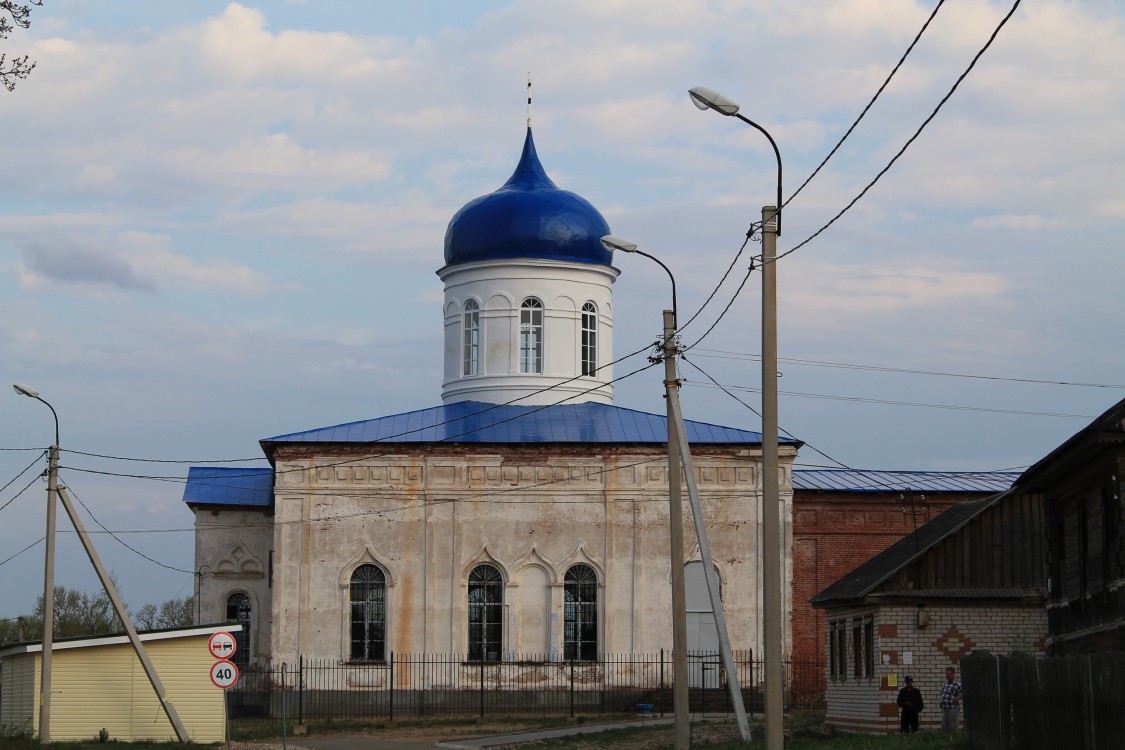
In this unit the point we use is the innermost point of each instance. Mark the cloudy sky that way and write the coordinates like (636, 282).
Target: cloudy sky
(220, 222)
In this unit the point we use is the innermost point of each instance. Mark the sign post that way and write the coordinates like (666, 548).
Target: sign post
(224, 673)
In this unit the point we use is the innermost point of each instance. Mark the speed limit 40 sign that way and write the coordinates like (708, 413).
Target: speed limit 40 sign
(224, 674)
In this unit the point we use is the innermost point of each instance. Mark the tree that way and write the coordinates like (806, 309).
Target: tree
(18, 68)
(174, 613)
(177, 613)
(82, 613)
(76, 613)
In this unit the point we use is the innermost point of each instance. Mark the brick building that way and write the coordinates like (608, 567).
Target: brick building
(842, 518)
(972, 578)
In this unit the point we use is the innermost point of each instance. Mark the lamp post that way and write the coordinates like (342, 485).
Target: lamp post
(705, 98)
(675, 509)
(48, 576)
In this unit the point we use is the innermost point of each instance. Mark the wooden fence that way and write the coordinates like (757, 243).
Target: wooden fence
(1022, 702)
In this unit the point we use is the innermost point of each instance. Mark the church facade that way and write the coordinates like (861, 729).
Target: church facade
(525, 517)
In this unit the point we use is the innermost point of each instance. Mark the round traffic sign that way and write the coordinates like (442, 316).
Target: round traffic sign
(224, 674)
(222, 645)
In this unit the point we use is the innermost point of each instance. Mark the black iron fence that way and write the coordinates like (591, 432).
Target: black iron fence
(1035, 703)
(428, 684)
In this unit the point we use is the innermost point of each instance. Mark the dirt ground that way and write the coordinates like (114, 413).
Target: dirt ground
(660, 736)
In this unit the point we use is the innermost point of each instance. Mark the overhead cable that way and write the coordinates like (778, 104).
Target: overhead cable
(844, 137)
(910, 141)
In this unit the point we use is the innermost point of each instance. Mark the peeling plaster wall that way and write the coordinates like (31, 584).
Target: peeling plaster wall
(428, 514)
(232, 555)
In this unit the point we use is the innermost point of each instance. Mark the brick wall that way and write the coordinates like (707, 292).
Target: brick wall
(834, 532)
(901, 647)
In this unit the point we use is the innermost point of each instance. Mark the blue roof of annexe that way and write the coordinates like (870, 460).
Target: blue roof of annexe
(478, 422)
(223, 485)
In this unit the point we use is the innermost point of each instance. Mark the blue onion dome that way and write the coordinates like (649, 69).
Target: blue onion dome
(529, 217)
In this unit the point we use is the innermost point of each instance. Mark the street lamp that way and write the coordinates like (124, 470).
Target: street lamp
(48, 576)
(705, 98)
(675, 509)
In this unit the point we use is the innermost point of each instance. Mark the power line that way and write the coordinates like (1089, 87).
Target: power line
(121, 541)
(25, 549)
(163, 460)
(447, 438)
(14, 497)
(889, 402)
(865, 472)
(491, 407)
(17, 476)
(910, 141)
(844, 137)
(749, 236)
(754, 227)
(901, 370)
(726, 309)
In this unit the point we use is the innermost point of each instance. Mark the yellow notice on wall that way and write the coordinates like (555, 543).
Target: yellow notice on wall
(892, 679)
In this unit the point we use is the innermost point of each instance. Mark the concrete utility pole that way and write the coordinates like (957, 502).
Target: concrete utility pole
(676, 531)
(119, 608)
(48, 575)
(706, 98)
(712, 579)
(771, 496)
(55, 491)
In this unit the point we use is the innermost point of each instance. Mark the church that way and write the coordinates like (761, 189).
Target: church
(525, 517)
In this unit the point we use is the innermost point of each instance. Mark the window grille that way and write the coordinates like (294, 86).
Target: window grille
(240, 610)
(580, 621)
(369, 614)
(486, 612)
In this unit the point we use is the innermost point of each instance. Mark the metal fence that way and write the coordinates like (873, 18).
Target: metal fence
(1030, 703)
(429, 684)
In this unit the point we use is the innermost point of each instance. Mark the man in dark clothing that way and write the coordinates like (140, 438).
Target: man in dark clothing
(910, 701)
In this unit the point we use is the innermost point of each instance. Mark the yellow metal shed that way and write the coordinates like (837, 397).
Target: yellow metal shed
(98, 683)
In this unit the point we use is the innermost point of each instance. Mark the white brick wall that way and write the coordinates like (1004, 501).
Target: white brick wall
(952, 630)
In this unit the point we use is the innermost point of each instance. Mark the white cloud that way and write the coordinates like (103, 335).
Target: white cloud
(133, 261)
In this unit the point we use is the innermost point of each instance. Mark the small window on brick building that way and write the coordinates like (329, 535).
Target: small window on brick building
(832, 650)
(857, 650)
(869, 647)
(841, 651)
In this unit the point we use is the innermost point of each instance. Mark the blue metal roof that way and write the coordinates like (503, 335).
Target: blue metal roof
(477, 422)
(855, 480)
(215, 485)
(528, 217)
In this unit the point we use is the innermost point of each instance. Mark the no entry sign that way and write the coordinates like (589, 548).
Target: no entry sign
(224, 674)
(222, 645)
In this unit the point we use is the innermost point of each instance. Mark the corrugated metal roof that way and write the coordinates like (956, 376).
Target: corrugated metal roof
(477, 422)
(857, 480)
(221, 485)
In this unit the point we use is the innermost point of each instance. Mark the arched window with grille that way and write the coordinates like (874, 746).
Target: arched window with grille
(589, 353)
(368, 595)
(470, 360)
(241, 610)
(531, 336)
(580, 616)
(486, 614)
